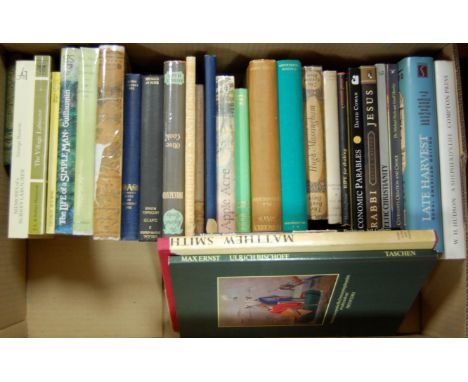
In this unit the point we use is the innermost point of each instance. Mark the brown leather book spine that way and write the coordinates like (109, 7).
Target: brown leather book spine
(264, 146)
(109, 134)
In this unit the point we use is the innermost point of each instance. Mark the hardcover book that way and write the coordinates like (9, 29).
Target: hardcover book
(131, 158)
(151, 158)
(85, 142)
(173, 202)
(199, 160)
(190, 63)
(449, 149)
(315, 143)
(421, 176)
(225, 155)
(264, 146)
(38, 184)
(109, 145)
(23, 115)
(210, 143)
(309, 293)
(242, 160)
(9, 108)
(66, 154)
(53, 148)
(370, 119)
(292, 154)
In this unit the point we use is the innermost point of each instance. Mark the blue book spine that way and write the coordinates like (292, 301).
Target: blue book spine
(421, 177)
(210, 143)
(131, 158)
(292, 154)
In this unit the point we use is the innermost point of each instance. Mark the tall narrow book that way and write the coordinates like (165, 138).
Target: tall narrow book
(332, 149)
(342, 87)
(448, 133)
(66, 154)
(85, 142)
(370, 118)
(199, 160)
(315, 143)
(38, 185)
(53, 148)
(151, 157)
(23, 116)
(210, 143)
(264, 146)
(173, 205)
(292, 154)
(109, 137)
(225, 155)
(421, 176)
(242, 165)
(131, 189)
(9, 108)
(190, 80)
(356, 151)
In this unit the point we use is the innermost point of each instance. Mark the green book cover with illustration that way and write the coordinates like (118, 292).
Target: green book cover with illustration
(321, 294)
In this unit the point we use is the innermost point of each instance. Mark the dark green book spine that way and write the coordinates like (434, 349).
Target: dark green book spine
(9, 104)
(151, 160)
(173, 201)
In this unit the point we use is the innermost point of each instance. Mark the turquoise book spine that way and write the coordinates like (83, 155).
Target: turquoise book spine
(292, 154)
(420, 147)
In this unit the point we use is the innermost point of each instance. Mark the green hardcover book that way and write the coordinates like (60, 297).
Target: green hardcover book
(293, 294)
(242, 161)
(9, 106)
(85, 142)
(38, 185)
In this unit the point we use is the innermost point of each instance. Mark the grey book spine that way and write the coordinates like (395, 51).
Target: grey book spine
(151, 157)
(173, 201)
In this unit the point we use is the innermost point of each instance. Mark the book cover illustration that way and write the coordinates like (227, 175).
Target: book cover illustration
(274, 300)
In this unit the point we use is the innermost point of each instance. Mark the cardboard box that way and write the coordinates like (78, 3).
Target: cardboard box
(77, 287)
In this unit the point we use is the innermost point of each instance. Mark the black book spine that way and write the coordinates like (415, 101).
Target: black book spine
(151, 159)
(344, 149)
(393, 96)
(356, 151)
(371, 147)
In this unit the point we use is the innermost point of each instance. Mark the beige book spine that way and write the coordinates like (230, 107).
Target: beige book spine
(315, 143)
(190, 76)
(199, 161)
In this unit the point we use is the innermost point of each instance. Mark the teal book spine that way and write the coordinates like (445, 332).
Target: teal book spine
(292, 154)
(69, 73)
(420, 147)
(242, 160)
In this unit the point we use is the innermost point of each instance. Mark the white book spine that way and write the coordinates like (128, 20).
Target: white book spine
(449, 154)
(332, 151)
(23, 115)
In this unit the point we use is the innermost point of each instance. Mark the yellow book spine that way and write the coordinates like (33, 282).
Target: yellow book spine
(53, 146)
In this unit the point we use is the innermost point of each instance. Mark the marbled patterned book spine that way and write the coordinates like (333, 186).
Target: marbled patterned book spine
(199, 160)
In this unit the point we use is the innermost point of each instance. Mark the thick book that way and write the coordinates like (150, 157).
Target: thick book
(190, 85)
(66, 152)
(421, 175)
(264, 146)
(308, 292)
(315, 143)
(370, 117)
(332, 147)
(9, 108)
(151, 157)
(449, 151)
(343, 144)
(242, 160)
(85, 142)
(109, 143)
(210, 143)
(356, 151)
(292, 151)
(38, 184)
(173, 202)
(225, 155)
(199, 160)
(129, 229)
(23, 115)
(54, 116)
